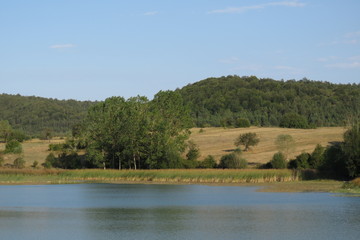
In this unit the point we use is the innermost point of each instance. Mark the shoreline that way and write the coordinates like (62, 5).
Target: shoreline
(266, 180)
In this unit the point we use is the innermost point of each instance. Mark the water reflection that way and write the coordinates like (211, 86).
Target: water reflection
(99, 211)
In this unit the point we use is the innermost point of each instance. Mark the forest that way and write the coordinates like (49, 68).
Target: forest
(35, 115)
(266, 102)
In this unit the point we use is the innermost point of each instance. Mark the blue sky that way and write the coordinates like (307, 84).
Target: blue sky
(94, 49)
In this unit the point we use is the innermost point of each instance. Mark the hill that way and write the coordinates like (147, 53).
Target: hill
(264, 102)
(35, 114)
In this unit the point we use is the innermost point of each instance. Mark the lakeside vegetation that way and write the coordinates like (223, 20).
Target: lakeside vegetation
(269, 180)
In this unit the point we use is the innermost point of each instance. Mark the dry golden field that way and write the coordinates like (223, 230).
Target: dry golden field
(216, 142)
(220, 141)
(33, 150)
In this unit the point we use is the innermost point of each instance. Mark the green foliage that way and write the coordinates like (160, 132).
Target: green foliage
(46, 134)
(94, 158)
(49, 161)
(13, 146)
(285, 143)
(278, 161)
(1, 160)
(56, 147)
(242, 123)
(5, 130)
(232, 160)
(208, 162)
(215, 101)
(35, 164)
(34, 114)
(300, 162)
(137, 133)
(247, 139)
(293, 120)
(193, 153)
(316, 159)
(351, 150)
(334, 162)
(18, 135)
(19, 163)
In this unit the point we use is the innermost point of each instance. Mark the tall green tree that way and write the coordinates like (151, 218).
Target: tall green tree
(248, 140)
(351, 149)
(5, 130)
(285, 143)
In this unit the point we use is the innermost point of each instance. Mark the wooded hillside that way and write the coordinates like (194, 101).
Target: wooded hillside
(264, 102)
(34, 115)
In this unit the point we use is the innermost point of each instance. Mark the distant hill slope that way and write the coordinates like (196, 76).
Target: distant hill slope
(220, 101)
(34, 114)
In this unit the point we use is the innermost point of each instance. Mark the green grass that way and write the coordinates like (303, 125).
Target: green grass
(169, 176)
(272, 180)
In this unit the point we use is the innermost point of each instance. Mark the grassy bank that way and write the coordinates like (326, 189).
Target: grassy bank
(270, 180)
(169, 176)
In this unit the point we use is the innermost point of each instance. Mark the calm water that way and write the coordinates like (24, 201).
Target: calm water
(110, 211)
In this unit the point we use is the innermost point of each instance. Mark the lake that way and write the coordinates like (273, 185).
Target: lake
(135, 211)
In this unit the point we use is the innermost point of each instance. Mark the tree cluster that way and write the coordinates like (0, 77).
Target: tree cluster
(134, 134)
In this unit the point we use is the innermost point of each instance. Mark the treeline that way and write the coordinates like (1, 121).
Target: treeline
(35, 115)
(266, 102)
(230, 101)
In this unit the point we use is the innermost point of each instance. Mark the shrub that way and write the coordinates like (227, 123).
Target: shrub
(49, 161)
(293, 120)
(193, 153)
(35, 164)
(19, 162)
(56, 147)
(13, 146)
(208, 162)
(1, 160)
(278, 161)
(242, 123)
(316, 158)
(232, 160)
(18, 135)
(300, 162)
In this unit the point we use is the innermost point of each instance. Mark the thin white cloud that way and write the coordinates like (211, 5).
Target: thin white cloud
(352, 34)
(258, 6)
(345, 65)
(354, 58)
(285, 68)
(230, 60)
(57, 46)
(327, 59)
(248, 67)
(341, 62)
(151, 13)
(350, 38)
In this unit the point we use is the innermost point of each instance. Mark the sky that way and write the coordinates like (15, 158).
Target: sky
(95, 49)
